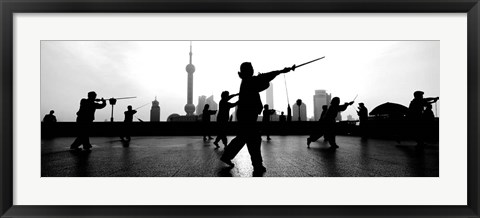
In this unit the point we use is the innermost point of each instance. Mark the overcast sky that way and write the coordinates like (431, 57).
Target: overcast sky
(378, 71)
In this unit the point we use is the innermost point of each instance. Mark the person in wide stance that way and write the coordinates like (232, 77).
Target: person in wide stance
(223, 115)
(330, 123)
(249, 107)
(85, 117)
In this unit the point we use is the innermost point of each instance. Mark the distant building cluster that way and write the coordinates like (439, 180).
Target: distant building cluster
(299, 108)
(202, 101)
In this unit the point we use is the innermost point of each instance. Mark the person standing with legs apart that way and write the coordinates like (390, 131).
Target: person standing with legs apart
(321, 127)
(85, 117)
(249, 107)
(222, 117)
(330, 122)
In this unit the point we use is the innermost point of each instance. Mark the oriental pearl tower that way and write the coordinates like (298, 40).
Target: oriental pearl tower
(189, 107)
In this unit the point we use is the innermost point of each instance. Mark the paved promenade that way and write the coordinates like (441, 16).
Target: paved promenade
(284, 156)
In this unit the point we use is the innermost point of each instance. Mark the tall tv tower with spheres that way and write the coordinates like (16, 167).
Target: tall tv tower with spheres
(190, 107)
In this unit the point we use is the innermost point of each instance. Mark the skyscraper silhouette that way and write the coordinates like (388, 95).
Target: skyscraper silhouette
(269, 96)
(302, 110)
(200, 104)
(320, 98)
(155, 111)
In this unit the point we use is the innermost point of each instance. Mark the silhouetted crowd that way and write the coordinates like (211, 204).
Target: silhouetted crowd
(249, 106)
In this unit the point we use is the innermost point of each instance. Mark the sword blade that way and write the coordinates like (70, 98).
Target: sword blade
(141, 106)
(309, 62)
(355, 97)
(125, 98)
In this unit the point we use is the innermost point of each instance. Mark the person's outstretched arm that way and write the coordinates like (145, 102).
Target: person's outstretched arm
(231, 105)
(431, 100)
(263, 79)
(271, 75)
(344, 106)
(231, 96)
(102, 105)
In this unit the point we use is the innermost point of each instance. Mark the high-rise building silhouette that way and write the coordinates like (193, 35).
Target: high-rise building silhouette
(201, 104)
(190, 107)
(269, 96)
(320, 98)
(202, 101)
(234, 114)
(155, 111)
(302, 110)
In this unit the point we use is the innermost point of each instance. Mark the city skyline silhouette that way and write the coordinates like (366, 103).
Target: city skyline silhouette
(377, 71)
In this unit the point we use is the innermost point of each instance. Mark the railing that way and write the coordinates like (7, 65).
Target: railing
(381, 128)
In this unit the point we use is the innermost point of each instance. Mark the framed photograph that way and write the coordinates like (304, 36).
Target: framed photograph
(239, 109)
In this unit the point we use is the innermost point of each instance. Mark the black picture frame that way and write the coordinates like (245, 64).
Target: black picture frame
(9, 7)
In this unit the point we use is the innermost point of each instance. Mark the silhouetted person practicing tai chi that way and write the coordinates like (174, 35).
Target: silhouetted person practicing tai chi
(321, 125)
(330, 123)
(363, 117)
(415, 115)
(248, 109)
(282, 118)
(206, 119)
(128, 120)
(223, 116)
(50, 118)
(266, 119)
(85, 117)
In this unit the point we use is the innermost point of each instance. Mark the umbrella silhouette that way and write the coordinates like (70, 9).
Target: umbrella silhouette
(391, 109)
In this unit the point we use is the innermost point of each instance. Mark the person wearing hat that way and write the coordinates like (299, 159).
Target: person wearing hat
(249, 107)
(85, 116)
(415, 115)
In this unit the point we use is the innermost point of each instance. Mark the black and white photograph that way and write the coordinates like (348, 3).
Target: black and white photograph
(239, 108)
(199, 108)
